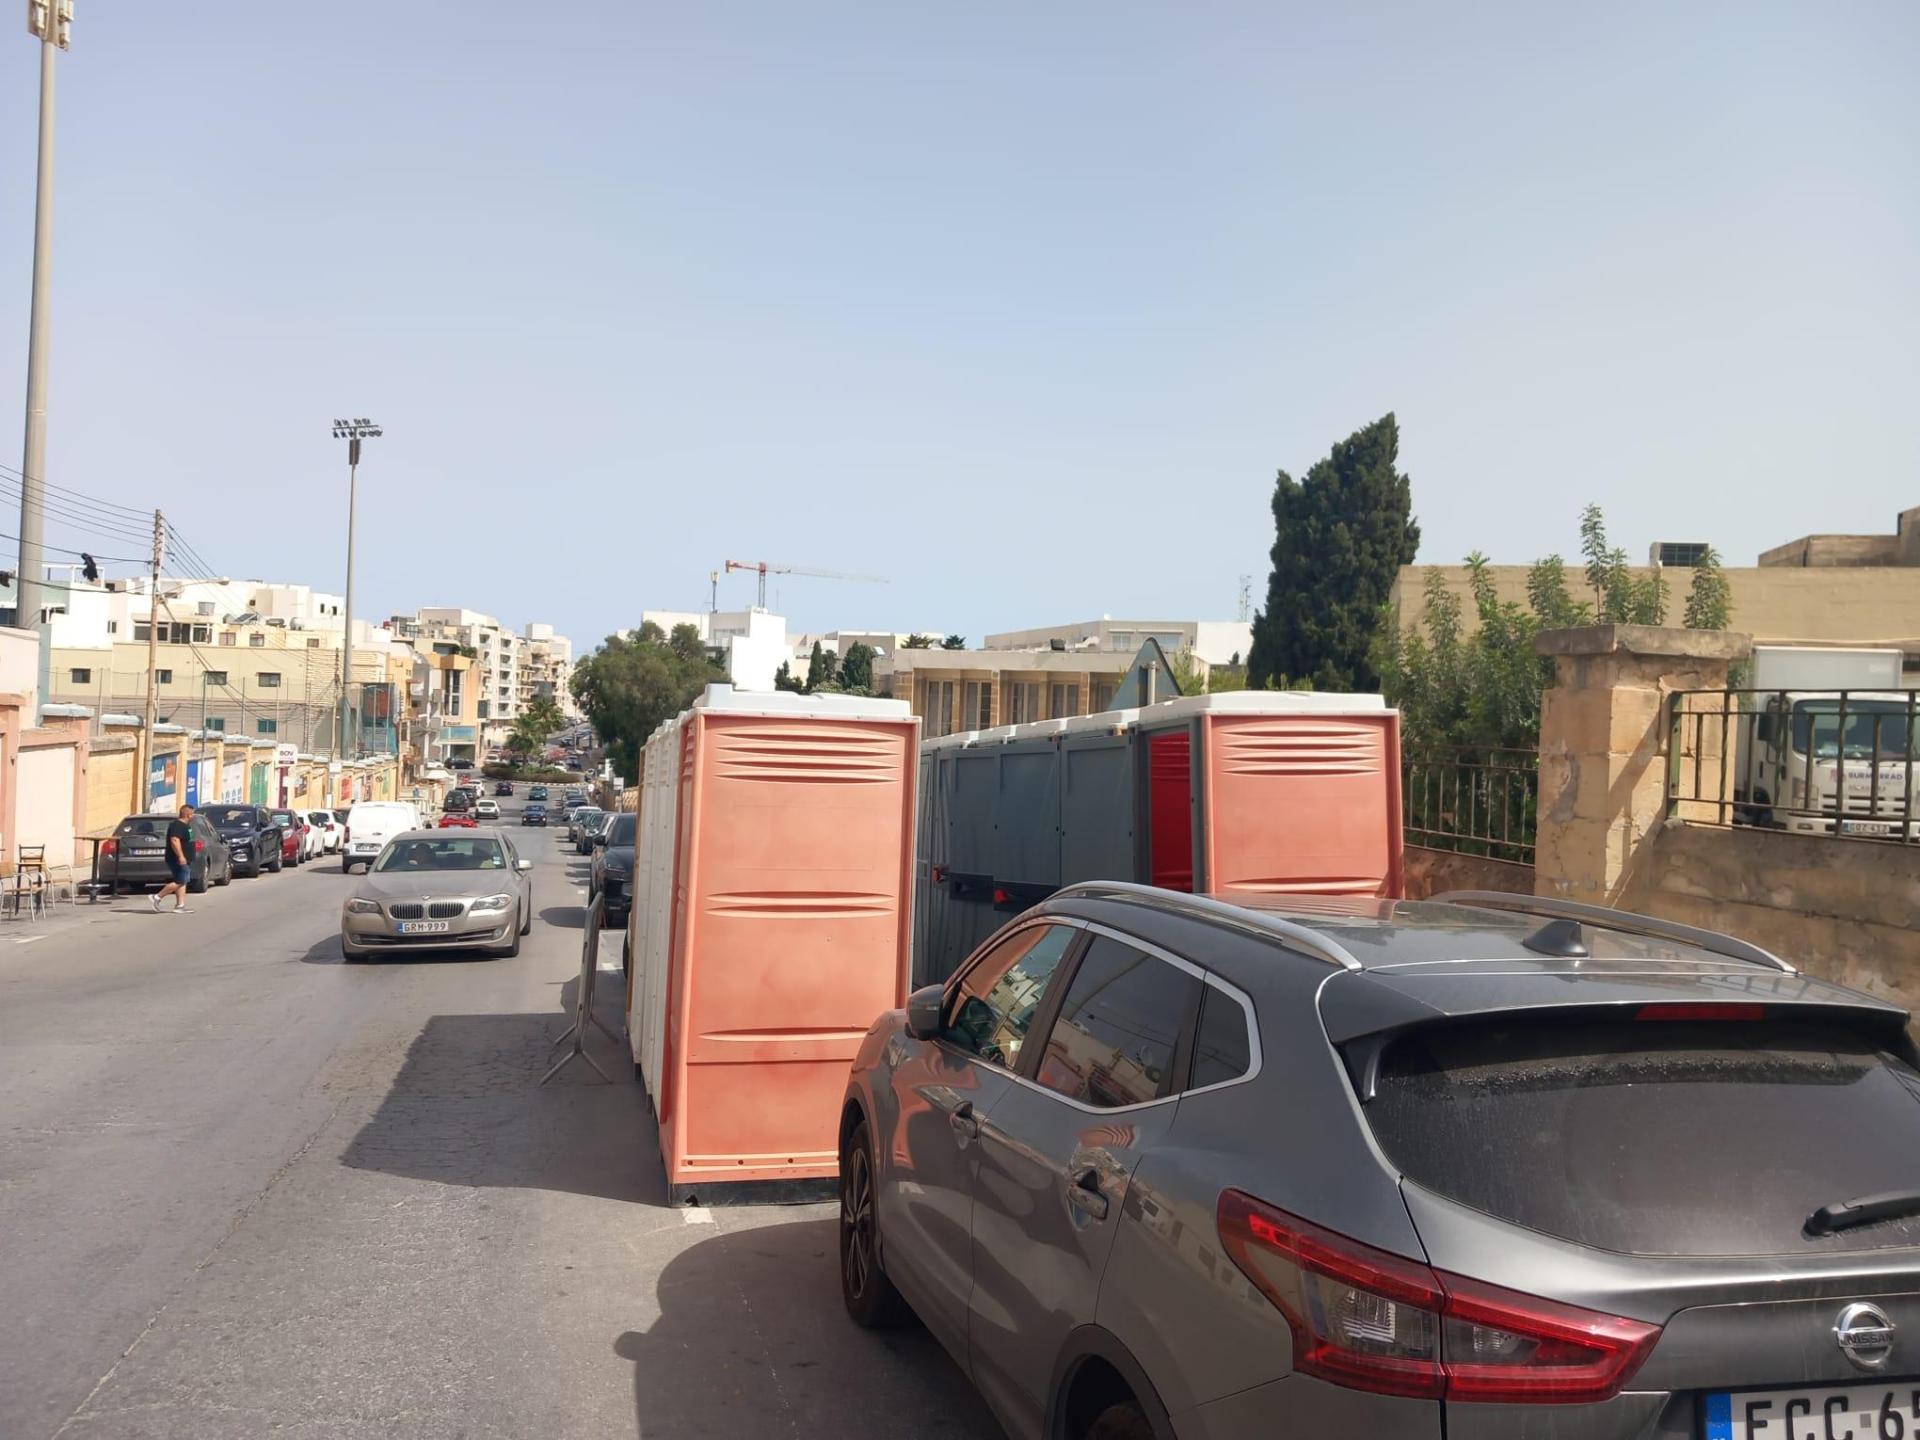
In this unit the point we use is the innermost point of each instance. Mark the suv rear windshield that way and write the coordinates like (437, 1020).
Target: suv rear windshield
(241, 815)
(1656, 1137)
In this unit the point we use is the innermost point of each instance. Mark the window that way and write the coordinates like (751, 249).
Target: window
(216, 722)
(216, 677)
(141, 629)
(80, 677)
(976, 705)
(939, 716)
(113, 627)
(1756, 1125)
(266, 727)
(998, 998)
(1221, 1050)
(1680, 553)
(257, 640)
(1118, 1029)
(1026, 700)
(1103, 690)
(229, 637)
(269, 679)
(202, 634)
(1062, 701)
(313, 642)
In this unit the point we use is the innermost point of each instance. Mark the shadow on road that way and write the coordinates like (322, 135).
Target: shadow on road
(751, 1340)
(467, 1108)
(566, 917)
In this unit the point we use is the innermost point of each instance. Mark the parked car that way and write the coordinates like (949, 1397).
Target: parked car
(486, 809)
(577, 818)
(612, 872)
(370, 825)
(294, 831)
(428, 890)
(534, 814)
(538, 792)
(253, 837)
(593, 829)
(458, 798)
(135, 856)
(327, 828)
(1152, 1164)
(575, 797)
(458, 820)
(504, 787)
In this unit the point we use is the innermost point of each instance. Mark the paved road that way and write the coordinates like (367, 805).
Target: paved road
(246, 1188)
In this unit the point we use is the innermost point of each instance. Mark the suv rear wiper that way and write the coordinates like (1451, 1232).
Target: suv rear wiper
(1863, 1210)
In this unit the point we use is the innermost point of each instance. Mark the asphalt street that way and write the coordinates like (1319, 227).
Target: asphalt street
(247, 1188)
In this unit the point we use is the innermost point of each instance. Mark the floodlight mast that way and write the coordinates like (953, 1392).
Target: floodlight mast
(353, 432)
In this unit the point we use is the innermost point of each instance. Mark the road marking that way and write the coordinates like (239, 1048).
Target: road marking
(27, 939)
(696, 1215)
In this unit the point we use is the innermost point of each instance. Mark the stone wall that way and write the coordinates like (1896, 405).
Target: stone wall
(1431, 872)
(1840, 909)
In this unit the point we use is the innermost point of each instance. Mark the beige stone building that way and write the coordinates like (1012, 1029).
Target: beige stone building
(1818, 589)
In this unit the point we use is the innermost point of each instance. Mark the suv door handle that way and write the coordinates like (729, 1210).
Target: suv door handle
(1084, 1193)
(963, 1121)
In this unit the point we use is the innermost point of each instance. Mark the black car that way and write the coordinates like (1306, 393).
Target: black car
(534, 814)
(136, 856)
(252, 835)
(459, 798)
(612, 872)
(505, 787)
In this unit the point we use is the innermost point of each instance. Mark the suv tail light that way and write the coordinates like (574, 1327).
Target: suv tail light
(199, 846)
(1370, 1320)
(109, 847)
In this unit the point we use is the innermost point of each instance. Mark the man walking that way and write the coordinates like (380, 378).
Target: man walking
(179, 861)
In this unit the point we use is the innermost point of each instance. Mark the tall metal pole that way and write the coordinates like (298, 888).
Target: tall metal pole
(142, 787)
(50, 23)
(346, 637)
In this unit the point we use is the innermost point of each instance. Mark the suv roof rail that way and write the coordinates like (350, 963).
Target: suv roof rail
(1220, 912)
(1606, 918)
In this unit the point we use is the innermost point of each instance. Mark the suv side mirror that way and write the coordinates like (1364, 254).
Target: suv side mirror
(923, 1011)
(524, 866)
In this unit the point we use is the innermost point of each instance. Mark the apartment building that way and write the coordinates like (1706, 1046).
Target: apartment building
(496, 649)
(245, 658)
(546, 668)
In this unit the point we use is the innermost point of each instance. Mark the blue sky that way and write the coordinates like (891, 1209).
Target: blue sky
(1020, 306)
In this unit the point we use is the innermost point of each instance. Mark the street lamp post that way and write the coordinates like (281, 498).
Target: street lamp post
(51, 23)
(353, 432)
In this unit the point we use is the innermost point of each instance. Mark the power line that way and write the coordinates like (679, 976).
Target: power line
(75, 519)
(78, 495)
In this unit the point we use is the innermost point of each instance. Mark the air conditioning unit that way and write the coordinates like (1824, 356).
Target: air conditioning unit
(205, 607)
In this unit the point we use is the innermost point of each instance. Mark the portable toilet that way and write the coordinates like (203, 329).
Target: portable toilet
(1248, 792)
(770, 926)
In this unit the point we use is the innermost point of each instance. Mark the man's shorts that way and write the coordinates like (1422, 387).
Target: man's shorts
(182, 874)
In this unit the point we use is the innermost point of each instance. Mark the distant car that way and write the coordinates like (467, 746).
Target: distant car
(576, 797)
(534, 814)
(370, 824)
(538, 792)
(432, 891)
(136, 856)
(486, 809)
(296, 847)
(577, 818)
(505, 787)
(458, 798)
(593, 830)
(327, 828)
(458, 820)
(253, 837)
(612, 872)
(460, 764)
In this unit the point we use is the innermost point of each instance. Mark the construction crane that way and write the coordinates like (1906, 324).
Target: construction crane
(764, 568)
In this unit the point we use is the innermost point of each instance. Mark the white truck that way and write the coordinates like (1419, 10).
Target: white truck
(1793, 758)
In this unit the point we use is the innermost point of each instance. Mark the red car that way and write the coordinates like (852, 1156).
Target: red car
(458, 820)
(293, 835)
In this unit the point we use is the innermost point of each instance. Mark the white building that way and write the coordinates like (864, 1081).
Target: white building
(546, 668)
(1218, 642)
(496, 649)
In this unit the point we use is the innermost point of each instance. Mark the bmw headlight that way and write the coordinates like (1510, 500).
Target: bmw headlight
(491, 904)
(362, 907)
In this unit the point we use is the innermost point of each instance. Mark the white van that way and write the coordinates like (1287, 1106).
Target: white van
(370, 825)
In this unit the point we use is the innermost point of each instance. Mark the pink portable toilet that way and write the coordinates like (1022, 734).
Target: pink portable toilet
(770, 926)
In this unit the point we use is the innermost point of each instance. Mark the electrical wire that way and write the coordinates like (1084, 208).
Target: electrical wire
(78, 495)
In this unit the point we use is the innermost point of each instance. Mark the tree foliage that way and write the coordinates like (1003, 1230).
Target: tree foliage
(917, 641)
(1478, 687)
(856, 668)
(954, 642)
(783, 679)
(1341, 535)
(532, 727)
(823, 668)
(635, 681)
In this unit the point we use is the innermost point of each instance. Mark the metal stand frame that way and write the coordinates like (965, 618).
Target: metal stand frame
(583, 1015)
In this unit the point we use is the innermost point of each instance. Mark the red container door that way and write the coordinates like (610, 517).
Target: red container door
(1303, 804)
(1170, 808)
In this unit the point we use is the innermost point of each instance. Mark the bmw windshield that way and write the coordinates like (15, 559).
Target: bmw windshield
(442, 854)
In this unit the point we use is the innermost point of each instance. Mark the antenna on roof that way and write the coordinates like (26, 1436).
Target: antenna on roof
(1562, 939)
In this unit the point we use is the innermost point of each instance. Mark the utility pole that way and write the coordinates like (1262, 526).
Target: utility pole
(50, 22)
(353, 432)
(143, 765)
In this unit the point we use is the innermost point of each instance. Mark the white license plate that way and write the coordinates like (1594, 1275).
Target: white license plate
(1868, 1412)
(423, 927)
(1867, 827)
(365, 849)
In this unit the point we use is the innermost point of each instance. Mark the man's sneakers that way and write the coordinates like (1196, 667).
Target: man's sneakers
(180, 910)
(156, 902)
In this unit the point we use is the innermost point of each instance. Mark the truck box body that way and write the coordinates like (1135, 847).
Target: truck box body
(769, 927)
(1796, 768)
(1243, 793)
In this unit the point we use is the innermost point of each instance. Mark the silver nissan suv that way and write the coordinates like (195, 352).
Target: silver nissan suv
(1488, 1167)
